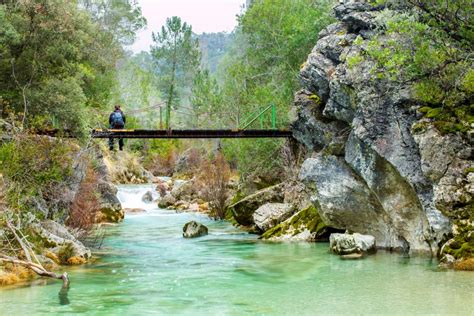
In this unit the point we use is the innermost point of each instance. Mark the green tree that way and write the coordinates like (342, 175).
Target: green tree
(121, 19)
(206, 100)
(177, 57)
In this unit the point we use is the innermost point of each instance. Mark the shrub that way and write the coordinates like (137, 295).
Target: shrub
(85, 206)
(214, 175)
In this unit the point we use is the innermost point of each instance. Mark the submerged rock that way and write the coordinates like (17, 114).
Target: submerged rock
(134, 210)
(194, 229)
(345, 244)
(271, 214)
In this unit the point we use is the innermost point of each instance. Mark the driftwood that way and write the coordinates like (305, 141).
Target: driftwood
(38, 269)
(35, 267)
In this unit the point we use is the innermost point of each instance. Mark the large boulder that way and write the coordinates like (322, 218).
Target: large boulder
(271, 214)
(345, 201)
(194, 229)
(345, 244)
(243, 210)
(110, 207)
(304, 225)
(56, 237)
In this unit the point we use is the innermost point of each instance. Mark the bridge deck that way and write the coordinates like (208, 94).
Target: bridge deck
(191, 133)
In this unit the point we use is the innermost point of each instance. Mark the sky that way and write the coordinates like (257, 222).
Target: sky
(205, 16)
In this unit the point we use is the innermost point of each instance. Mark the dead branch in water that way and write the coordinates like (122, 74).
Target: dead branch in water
(36, 268)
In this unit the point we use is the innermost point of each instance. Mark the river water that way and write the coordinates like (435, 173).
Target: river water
(147, 268)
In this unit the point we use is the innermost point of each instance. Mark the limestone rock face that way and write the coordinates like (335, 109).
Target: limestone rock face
(243, 210)
(344, 199)
(345, 244)
(371, 171)
(194, 229)
(271, 214)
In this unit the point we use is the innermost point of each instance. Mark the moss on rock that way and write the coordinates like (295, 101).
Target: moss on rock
(306, 219)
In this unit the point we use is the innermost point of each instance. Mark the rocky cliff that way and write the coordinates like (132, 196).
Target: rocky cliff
(372, 169)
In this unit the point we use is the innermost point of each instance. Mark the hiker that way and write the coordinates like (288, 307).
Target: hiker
(116, 121)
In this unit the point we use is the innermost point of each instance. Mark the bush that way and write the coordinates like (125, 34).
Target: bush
(214, 175)
(35, 167)
(85, 206)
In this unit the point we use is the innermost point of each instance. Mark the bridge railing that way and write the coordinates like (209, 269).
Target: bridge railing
(260, 115)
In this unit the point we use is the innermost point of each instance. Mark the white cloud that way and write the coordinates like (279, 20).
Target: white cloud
(204, 16)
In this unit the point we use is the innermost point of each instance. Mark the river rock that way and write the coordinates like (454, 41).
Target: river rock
(271, 214)
(147, 197)
(304, 225)
(344, 244)
(134, 210)
(243, 210)
(194, 229)
(55, 236)
(110, 207)
(167, 201)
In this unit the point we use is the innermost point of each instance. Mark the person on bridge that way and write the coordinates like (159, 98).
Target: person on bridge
(117, 120)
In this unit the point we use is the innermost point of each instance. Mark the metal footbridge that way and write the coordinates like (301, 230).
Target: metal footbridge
(261, 117)
(191, 133)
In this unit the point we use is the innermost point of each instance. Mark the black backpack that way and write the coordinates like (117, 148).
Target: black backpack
(117, 120)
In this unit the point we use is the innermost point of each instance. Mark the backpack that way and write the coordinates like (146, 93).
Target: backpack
(117, 120)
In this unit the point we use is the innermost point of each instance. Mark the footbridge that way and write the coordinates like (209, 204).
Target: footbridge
(265, 118)
(192, 133)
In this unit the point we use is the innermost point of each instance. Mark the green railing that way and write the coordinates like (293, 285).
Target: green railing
(260, 115)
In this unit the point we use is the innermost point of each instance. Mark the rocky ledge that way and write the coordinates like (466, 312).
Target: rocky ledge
(372, 171)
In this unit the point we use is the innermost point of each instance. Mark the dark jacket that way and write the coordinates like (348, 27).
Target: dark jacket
(110, 117)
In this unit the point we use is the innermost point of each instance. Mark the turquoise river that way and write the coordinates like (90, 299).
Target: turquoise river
(145, 267)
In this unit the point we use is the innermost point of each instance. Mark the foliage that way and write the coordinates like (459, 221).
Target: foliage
(260, 68)
(429, 44)
(57, 62)
(213, 46)
(119, 18)
(85, 206)
(34, 167)
(206, 100)
(177, 57)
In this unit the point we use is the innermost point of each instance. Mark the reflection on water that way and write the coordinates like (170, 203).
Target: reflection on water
(146, 267)
(63, 295)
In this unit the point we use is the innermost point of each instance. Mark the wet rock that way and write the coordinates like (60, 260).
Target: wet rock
(167, 201)
(305, 225)
(271, 214)
(243, 210)
(194, 229)
(345, 244)
(147, 197)
(352, 256)
(134, 210)
(110, 207)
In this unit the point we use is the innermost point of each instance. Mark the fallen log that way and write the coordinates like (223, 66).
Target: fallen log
(38, 269)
